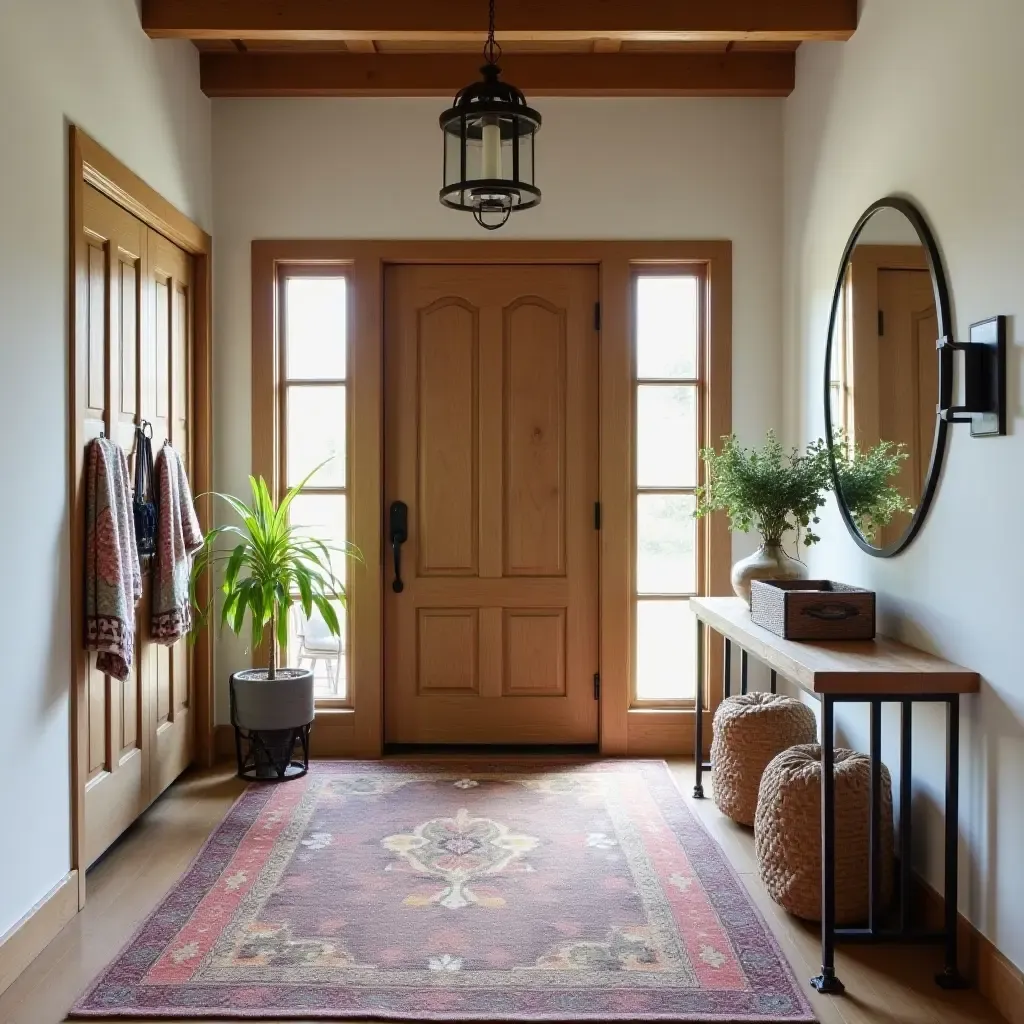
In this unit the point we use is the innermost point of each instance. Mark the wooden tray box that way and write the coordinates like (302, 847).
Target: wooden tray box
(813, 609)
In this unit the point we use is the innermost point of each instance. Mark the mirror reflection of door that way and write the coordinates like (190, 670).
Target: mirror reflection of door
(887, 375)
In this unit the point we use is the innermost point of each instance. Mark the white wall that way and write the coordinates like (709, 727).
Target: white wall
(927, 101)
(631, 168)
(89, 63)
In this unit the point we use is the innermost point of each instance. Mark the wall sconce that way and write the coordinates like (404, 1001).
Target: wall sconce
(984, 375)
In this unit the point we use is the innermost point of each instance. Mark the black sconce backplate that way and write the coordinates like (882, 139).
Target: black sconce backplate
(984, 372)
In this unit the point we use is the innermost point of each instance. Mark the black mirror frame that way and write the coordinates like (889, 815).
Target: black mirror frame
(943, 310)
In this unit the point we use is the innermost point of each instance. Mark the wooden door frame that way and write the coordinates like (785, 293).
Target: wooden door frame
(91, 165)
(624, 731)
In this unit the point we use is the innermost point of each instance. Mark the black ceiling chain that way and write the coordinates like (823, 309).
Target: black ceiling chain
(492, 49)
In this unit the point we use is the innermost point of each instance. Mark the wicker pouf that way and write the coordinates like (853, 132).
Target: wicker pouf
(749, 730)
(787, 832)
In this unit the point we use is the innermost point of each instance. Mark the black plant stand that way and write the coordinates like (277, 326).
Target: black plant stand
(268, 755)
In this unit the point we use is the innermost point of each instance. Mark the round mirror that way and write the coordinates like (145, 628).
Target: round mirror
(882, 380)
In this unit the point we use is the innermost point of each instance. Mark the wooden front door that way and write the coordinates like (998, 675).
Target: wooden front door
(133, 365)
(491, 431)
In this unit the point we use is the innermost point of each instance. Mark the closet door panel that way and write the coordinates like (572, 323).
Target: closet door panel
(127, 287)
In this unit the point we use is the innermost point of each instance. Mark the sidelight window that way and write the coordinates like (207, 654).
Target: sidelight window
(313, 309)
(668, 323)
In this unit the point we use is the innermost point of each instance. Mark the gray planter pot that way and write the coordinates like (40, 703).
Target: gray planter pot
(259, 703)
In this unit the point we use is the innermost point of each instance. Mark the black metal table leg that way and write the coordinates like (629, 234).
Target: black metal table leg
(827, 982)
(874, 821)
(727, 669)
(743, 671)
(698, 744)
(775, 682)
(906, 799)
(951, 976)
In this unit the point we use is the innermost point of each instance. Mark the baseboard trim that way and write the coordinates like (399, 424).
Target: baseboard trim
(996, 978)
(27, 938)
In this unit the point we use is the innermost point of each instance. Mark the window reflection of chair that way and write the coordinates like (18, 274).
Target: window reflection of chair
(316, 644)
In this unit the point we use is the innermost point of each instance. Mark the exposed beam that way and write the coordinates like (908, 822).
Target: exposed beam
(578, 74)
(710, 20)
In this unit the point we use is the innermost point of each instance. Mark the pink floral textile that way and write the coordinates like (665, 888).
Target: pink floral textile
(445, 891)
(178, 538)
(113, 582)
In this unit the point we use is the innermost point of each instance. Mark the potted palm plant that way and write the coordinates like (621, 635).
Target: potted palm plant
(270, 567)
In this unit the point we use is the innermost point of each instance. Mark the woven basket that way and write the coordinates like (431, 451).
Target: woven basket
(787, 832)
(749, 730)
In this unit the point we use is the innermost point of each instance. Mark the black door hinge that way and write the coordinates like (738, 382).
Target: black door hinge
(597, 515)
(597, 316)
(597, 686)
(881, 324)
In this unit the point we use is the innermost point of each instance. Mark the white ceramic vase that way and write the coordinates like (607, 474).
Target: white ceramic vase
(768, 562)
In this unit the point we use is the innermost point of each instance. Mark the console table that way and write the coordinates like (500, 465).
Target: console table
(865, 671)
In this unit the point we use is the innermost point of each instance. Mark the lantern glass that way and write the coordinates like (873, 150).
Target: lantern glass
(453, 157)
(526, 169)
(489, 151)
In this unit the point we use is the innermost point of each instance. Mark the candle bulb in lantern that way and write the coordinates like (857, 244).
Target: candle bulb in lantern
(492, 150)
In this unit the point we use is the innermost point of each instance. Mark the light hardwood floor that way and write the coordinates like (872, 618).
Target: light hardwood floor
(884, 985)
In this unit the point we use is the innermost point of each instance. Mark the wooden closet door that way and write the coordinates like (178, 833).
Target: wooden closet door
(109, 357)
(133, 359)
(491, 441)
(166, 401)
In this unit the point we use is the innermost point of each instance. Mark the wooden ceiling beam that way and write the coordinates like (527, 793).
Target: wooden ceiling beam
(577, 74)
(554, 20)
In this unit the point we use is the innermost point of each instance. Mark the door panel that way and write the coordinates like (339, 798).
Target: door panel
(447, 404)
(135, 367)
(447, 650)
(534, 443)
(491, 439)
(534, 651)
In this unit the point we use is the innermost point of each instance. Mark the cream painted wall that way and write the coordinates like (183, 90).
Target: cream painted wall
(645, 169)
(89, 63)
(926, 101)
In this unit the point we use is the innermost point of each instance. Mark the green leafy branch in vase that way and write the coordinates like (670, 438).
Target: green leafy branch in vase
(777, 490)
(770, 489)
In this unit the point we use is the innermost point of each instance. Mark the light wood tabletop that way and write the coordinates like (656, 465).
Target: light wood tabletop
(869, 667)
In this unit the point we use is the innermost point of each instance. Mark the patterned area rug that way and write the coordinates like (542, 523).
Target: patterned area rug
(457, 891)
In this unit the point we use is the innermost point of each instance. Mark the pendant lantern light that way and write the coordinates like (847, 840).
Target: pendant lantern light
(489, 146)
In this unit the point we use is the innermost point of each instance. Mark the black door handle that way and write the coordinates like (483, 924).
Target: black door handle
(398, 528)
